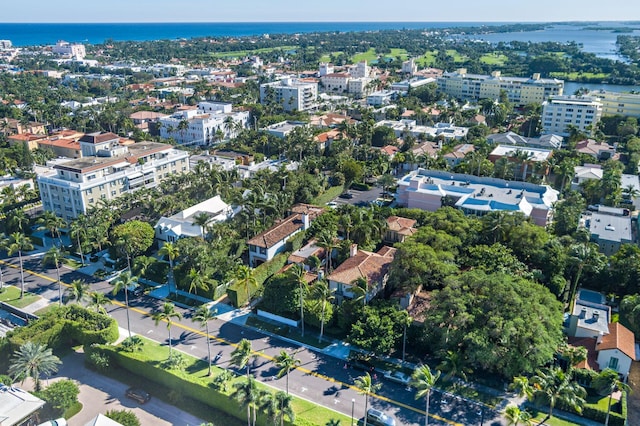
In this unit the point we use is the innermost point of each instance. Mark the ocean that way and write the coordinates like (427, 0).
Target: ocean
(92, 33)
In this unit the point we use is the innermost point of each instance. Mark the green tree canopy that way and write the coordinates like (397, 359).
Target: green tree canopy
(135, 237)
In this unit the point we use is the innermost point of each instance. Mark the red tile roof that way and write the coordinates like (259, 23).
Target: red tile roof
(621, 338)
(278, 232)
(589, 343)
(401, 225)
(364, 264)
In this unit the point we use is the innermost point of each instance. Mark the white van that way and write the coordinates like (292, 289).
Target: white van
(57, 422)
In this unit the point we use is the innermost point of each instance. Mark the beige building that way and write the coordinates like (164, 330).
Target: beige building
(520, 91)
(614, 103)
(106, 171)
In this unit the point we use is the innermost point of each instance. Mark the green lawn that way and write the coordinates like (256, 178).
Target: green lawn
(493, 59)
(457, 57)
(328, 195)
(573, 76)
(11, 295)
(554, 421)
(239, 53)
(369, 55)
(395, 53)
(308, 412)
(428, 59)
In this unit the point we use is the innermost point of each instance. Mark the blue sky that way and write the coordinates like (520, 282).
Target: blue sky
(323, 10)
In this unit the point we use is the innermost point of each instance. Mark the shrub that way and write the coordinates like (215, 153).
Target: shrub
(124, 417)
(61, 394)
(238, 297)
(97, 361)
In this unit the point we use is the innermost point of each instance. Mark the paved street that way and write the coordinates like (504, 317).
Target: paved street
(320, 378)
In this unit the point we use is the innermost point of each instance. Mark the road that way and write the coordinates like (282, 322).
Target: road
(320, 378)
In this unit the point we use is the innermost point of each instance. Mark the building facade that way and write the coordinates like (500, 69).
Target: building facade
(614, 103)
(291, 94)
(71, 188)
(559, 113)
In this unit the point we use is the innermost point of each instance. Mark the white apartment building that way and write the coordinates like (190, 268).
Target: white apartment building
(292, 94)
(360, 70)
(520, 91)
(336, 82)
(76, 51)
(559, 112)
(210, 122)
(70, 188)
(5, 44)
(325, 68)
(409, 67)
(614, 103)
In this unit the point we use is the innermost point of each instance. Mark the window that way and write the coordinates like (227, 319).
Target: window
(613, 363)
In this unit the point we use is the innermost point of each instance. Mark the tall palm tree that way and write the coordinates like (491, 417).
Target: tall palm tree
(33, 360)
(19, 242)
(246, 280)
(172, 252)
(423, 380)
(18, 220)
(241, 355)
(286, 363)
(78, 291)
(248, 394)
(98, 301)
(515, 416)
(79, 230)
(52, 223)
(54, 256)
(197, 280)
(326, 241)
(283, 403)
(366, 387)
(323, 294)
(167, 314)
(454, 364)
(297, 274)
(203, 315)
(202, 219)
(126, 281)
(550, 386)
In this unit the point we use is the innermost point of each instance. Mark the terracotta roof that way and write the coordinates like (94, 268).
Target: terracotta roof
(309, 209)
(309, 277)
(407, 113)
(389, 149)
(589, 343)
(61, 143)
(589, 146)
(146, 115)
(331, 134)
(278, 232)
(460, 151)
(427, 148)
(364, 264)
(621, 338)
(401, 225)
(99, 137)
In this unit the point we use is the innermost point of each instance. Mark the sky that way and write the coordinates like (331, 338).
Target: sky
(324, 10)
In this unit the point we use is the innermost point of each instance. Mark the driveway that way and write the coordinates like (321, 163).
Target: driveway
(99, 394)
(361, 198)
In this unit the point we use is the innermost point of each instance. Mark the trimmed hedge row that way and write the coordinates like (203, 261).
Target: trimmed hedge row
(238, 296)
(593, 413)
(190, 386)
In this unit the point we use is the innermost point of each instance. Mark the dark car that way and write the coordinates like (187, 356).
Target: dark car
(347, 195)
(138, 395)
(361, 362)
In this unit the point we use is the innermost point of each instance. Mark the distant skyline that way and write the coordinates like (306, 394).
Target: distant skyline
(326, 11)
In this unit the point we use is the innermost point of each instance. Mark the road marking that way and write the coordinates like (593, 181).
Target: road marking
(262, 355)
(303, 389)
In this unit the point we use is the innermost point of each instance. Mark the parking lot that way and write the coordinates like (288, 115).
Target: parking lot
(360, 198)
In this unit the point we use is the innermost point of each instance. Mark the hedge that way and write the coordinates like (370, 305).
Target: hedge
(238, 296)
(200, 388)
(593, 413)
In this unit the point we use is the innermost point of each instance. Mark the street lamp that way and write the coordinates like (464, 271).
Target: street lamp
(353, 403)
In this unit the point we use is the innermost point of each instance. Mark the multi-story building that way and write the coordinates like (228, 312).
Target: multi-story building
(106, 171)
(336, 82)
(559, 113)
(360, 70)
(614, 103)
(409, 67)
(290, 93)
(5, 44)
(208, 123)
(73, 50)
(520, 91)
(431, 189)
(325, 68)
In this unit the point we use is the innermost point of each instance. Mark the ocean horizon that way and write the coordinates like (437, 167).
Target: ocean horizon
(34, 34)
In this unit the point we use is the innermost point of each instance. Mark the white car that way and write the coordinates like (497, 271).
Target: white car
(398, 377)
(332, 204)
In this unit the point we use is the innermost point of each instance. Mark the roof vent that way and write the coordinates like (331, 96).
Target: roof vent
(610, 227)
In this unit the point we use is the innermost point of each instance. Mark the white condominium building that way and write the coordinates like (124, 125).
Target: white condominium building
(561, 112)
(210, 122)
(614, 103)
(520, 91)
(290, 93)
(76, 51)
(109, 170)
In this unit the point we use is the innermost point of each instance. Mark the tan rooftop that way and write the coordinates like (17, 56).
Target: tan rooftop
(401, 225)
(619, 337)
(364, 264)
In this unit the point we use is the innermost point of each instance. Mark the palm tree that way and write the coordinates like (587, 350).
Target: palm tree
(284, 407)
(167, 314)
(550, 386)
(246, 280)
(125, 282)
(54, 256)
(327, 241)
(323, 294)
(78, 230)
(297, 274)
(423, 380)
(454, 364)
(79, 290)
(286, 363)
(386, 181)
(607, 382)
(19, 242)
(247, 393)
(241, 355)
(516, 416)
(630, 192)
(172, 252)
(18, 220)
(366, 387)
(33, 360)
(203, 315)
(201, 219)
(52, 223)
(197, 281)
(142, 265)
(98, 301)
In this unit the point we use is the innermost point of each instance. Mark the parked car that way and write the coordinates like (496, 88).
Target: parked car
(398, 377)
(346, 195)
(57, 422)
(138, 395)
(378, 418)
